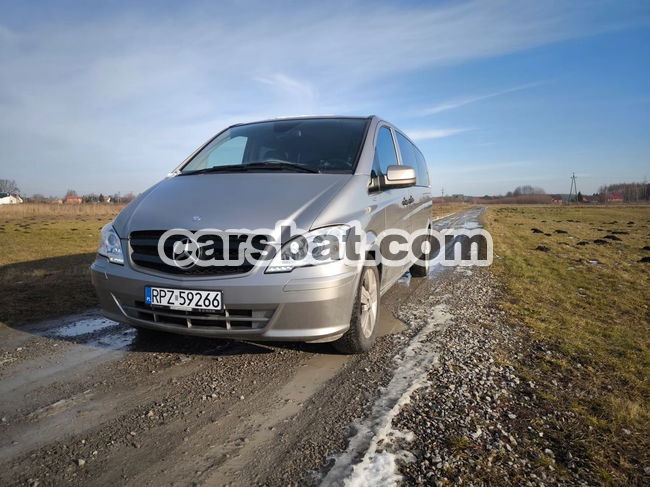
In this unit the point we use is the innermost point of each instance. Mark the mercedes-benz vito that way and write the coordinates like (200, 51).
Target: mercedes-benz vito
(320, 173)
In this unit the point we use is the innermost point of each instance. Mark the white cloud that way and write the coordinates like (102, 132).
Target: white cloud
(434, 133)
(289, 85)
(460, 102)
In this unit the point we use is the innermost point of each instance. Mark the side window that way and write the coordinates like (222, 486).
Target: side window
(230, 152)
(411, 156)
(407, 151)
(423, 172)
(385, 153)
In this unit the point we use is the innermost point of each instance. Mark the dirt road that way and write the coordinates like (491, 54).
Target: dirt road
(86, 401)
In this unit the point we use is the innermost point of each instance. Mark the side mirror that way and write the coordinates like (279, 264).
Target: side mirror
(399, 177)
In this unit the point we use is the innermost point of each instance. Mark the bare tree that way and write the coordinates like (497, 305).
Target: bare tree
(8, 186)
(127, 198)
(527, 190)
(38, 198)
(632, 192)
(72, 193)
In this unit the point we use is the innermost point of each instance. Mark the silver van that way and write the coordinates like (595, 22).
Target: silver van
(319, 173)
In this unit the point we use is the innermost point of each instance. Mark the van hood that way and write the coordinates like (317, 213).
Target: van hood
(230, 201)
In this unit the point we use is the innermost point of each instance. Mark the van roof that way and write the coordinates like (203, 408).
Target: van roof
(304, 117)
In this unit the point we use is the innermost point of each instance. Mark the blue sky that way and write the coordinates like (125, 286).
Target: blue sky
(110, 97)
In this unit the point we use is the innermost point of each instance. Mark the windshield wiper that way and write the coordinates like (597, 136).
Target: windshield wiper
(227, 168)
(272, 165)
(279, 165)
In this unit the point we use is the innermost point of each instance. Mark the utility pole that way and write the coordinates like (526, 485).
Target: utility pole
(442, 191)
(574, 188)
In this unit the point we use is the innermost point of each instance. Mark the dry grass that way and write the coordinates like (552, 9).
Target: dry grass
(26, 210)
(590, 304)
(45, 253)
(441, 209)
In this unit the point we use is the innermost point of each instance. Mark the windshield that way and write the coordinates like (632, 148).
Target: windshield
(327, 145)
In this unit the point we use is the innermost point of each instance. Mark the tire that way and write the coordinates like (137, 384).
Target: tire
(418, 270)
(365, 315)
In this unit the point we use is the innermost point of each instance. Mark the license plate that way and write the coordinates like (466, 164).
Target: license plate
(183, 299)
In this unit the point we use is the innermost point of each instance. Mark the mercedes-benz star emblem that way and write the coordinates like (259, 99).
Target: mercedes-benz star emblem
(186, 253)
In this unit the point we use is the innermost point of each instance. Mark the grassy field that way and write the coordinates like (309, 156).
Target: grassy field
(45, 254)
(575, 277)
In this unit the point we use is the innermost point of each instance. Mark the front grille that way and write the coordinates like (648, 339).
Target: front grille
(230, 319)
(144, 253)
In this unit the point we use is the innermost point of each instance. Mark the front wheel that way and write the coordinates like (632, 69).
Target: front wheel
(365, 313)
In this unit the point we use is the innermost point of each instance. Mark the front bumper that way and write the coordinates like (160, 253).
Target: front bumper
(307, 304)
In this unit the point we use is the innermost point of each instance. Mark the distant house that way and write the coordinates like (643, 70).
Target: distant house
(589, 199)
(9, 199)
(73, 200)
(615, 197)
(557, 199)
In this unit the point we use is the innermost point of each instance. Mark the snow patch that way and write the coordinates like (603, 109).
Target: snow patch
(366, 462)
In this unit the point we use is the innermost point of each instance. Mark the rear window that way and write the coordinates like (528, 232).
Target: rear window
(423, 172)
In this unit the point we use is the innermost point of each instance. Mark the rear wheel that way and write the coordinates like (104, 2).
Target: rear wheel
(365, 313)
(422, 269)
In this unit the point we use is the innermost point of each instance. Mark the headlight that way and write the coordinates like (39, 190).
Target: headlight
(110, 245)
(317, 247)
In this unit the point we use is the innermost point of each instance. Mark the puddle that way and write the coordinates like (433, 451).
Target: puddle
(90, 330)
(470, 225)
(82, 327)
(116, 341)
(405, 280)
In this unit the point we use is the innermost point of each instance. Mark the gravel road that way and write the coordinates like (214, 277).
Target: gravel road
(87, 401)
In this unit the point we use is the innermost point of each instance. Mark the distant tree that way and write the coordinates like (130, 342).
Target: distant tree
(38, 198)
(9, 186)
(91, 198)
(71, 193)
(527, 190)
(101, 198)
(580, 197)
(632, 192)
